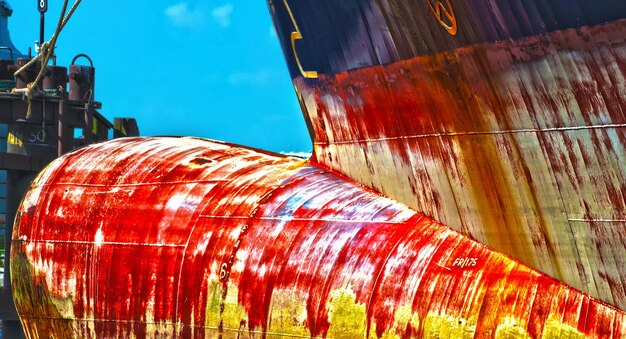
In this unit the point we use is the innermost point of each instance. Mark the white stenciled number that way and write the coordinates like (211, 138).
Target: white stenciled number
(465, 262)
(38, 136)
(444, 14)
(296, 35)
(42, 3)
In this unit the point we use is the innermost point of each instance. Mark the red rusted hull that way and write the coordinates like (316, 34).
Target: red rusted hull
(178, 236)
(515, 140)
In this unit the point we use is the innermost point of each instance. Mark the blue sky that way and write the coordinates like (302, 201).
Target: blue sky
(207, 68)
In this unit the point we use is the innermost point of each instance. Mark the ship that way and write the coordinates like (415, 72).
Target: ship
(467, 181)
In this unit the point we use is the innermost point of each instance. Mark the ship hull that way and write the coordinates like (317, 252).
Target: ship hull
(172, 237)
(505, 121)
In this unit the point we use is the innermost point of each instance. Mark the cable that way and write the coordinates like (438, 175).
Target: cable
(46, 51)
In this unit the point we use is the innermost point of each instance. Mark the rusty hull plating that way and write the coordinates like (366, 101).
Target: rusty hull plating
(504, 120)
(188, 237)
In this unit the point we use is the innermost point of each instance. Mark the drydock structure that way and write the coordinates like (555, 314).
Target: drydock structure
(63, 117)
(468, 180)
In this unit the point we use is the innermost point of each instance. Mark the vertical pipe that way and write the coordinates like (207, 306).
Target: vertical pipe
(41, 28)
(62, 129)
(88, 133)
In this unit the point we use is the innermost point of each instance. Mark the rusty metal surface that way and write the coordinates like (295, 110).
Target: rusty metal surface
(515, 139)
(177, 236)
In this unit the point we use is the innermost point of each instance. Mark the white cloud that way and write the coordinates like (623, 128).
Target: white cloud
(259, 77)
(222, 14)
(181, 15)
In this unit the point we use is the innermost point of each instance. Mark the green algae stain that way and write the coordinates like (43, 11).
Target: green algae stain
(233, 312)
(556, 329)
(403, 316)
(32, 296)
(347, 317)
(511, 329)
(288, 313)
(389, 334)
(442, 326)
(65, 306)
(212, 315)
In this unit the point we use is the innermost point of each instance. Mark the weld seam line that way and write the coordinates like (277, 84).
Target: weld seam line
(597, 220)
(302, 219)
(137, 184)
(450, 134)
(94, 243)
